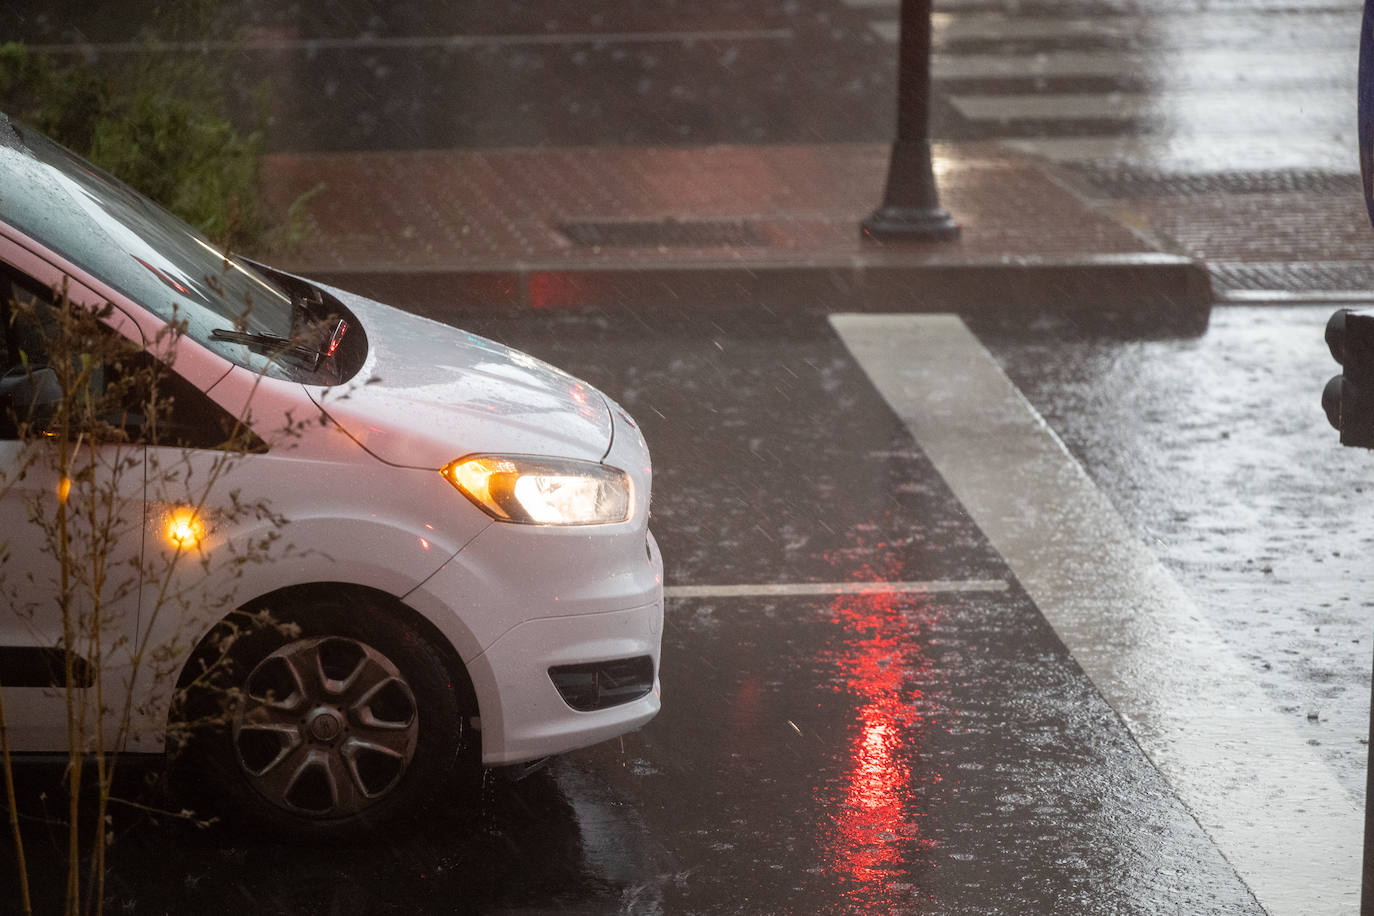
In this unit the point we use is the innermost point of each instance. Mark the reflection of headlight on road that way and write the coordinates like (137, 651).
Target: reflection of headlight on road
(542, 491)
(184, 528)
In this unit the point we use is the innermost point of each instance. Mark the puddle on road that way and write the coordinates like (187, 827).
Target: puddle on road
(899, 754)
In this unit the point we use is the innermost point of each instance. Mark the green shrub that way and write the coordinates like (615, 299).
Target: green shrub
(156, 118)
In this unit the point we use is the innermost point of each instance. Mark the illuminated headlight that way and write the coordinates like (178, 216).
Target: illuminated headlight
(542, 491)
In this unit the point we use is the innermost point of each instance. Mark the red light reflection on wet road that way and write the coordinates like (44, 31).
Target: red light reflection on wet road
(873, 809)
(875, 827)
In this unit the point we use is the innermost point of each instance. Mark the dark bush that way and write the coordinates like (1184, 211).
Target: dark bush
(156, 119)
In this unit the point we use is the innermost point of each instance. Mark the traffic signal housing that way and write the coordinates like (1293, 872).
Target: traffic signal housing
(1349, 397)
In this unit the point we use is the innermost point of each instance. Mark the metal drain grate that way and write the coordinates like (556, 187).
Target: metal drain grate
(1113, 183)
(1283, 276)
(643, 233)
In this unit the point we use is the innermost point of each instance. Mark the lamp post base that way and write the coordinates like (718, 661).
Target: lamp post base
(910, 224)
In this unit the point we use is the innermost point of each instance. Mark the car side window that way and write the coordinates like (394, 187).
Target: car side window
(139, 395)
(27, 322)
(27, 327)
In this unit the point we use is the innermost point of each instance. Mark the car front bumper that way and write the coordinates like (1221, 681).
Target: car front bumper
(586, 600)
(529, 717)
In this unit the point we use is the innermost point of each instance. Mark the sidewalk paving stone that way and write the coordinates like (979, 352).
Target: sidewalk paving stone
(479, 209)
(491, 228)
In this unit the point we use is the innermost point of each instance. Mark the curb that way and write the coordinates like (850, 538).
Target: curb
(1144, 287)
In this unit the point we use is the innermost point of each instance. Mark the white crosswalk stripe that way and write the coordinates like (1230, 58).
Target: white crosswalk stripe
(1260, 79)
(1199, 68)
(1223, 112)
(1325, 29)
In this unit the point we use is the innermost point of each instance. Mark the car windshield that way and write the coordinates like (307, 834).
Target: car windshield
(136, 247)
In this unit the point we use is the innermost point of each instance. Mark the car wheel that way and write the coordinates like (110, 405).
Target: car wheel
(334, 730)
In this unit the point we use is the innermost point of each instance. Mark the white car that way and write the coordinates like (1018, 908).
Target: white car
(458, 531)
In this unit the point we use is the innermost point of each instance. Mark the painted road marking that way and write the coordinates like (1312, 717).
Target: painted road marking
(1203, 29)
(933, 587)
(1201, 152)
(1210, 112)
(1202, 68)
(1266, 800)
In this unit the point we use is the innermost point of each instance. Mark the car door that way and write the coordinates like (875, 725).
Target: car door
(68, 615)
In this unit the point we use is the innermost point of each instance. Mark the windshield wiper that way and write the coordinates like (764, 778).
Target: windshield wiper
(272, 345)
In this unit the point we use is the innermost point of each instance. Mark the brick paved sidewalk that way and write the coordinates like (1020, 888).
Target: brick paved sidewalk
(480, 209)
(592, 226)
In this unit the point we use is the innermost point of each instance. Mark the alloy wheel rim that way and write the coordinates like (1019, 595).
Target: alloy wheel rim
(325, 727)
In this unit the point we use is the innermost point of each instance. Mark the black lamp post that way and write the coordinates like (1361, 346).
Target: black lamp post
(910, 211)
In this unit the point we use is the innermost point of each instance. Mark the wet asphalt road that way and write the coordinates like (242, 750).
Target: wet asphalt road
(936, 751)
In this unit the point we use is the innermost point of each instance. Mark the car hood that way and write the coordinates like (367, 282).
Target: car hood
(429, 393)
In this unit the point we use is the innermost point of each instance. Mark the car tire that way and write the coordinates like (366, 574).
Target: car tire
(338, 718)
